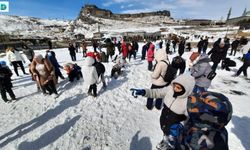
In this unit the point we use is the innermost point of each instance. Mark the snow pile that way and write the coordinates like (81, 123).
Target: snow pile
(112, 121)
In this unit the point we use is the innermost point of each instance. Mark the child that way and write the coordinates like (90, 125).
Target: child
(73, 71)
(5, 82)
(92, 78)
(117, 68)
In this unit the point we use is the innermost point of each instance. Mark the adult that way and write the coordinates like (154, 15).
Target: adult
(200, 45)
(234, 47)
(181, 47)
(72, 52)
(51, 56)
(84, 48)
(246, 64)
(15, 59)
(124, 50)
(29, 53)
(205, 45)
(110, 48)
(135, 48)
(218, 53)
(150, 56)
(50, 44)
(157, 77)
(43, 72)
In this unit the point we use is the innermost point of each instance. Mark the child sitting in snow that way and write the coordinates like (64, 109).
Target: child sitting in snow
(117, 68)
(73, 71)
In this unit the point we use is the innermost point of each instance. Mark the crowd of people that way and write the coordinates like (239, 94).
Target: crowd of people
(174, 88)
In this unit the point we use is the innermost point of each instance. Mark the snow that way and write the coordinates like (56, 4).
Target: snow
(113, 120)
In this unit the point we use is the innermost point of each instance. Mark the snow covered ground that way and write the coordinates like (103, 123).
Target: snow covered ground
(112, 121)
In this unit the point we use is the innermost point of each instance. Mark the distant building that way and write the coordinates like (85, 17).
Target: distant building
(242, 21)
(198, 22)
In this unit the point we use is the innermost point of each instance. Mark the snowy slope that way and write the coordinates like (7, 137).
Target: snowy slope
(112, 121)
(29, 26)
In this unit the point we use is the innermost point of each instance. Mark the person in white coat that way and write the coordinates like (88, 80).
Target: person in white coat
(92, 78)
(157, 78)
(174, 110)
(15, 59)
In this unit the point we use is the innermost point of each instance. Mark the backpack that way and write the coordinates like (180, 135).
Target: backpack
(211, 75)
(170, 73)
(209, 113)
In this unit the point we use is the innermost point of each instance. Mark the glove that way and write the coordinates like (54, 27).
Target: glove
(10, 64)
(136, 92)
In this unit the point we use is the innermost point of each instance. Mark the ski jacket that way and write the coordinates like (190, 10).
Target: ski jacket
(160, 68)
(200, 70)
(92, 77)
(179, 104)
(150, 52)
(124, 50)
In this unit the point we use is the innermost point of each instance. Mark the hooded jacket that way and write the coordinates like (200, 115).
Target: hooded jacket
(200, 70)
(177, 105)
(160, 68)
(92, 77)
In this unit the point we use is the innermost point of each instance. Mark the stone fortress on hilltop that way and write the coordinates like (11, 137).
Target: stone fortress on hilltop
(93, 10)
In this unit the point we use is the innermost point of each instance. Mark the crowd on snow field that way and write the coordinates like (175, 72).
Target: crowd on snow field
(191, 116)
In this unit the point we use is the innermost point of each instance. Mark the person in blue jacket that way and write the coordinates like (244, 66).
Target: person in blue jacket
(246, 64)
(52, 58)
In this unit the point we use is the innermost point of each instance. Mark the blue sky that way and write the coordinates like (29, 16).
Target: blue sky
(69, 9)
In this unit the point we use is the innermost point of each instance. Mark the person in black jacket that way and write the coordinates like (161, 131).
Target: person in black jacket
(218, 53)
(144, 50)
(205, 44)
(179, 63)
(72, 51)
(234, 46)
(5, 82)
(100, 69)
(181, 47)
(200, 45)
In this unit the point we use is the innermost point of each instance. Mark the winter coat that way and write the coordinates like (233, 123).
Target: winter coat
(217, 54)
(160, 68)
(5, 77)
(110, 48)
(135, 46)
(235, 44)
(92, 77)
(72, 50)
(124, 50)
(200, 70)
(14, 56)
(100, 68)
(48, 69)
(246, 59)
(177, 105)
(28, 52)
(150, 52)
(205, 44)
(51, 56)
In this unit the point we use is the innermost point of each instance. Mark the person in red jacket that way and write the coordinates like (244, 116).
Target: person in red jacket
(150, 56)
(124, 50)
